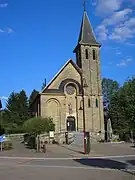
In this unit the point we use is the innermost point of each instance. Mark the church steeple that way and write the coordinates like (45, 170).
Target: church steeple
(86, 32)
(87, 41)
(88, 59)
(86, 36)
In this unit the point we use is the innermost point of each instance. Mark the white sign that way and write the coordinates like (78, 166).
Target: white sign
(51, 134)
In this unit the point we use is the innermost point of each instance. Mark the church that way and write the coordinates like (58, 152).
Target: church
(75, 91)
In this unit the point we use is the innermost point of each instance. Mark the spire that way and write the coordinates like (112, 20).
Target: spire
(86, 33)
(84, 5)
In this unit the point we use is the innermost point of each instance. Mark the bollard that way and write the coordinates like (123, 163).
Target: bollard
(66, 137)
(44, 148)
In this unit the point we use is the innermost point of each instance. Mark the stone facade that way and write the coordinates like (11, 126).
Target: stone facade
(56, 103)
(93, 91)
(62, 98)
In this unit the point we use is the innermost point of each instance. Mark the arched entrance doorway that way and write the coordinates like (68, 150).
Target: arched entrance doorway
(71, 126)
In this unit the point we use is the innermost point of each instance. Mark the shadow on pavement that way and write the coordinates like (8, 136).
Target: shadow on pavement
(71, 149)
(131, 162)
(107, 163)
(103, 163)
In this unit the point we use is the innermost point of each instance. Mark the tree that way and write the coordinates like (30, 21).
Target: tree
(23, 106)
(109, 87)
(0, 104)
(44, 84)
(17, 108)
(122, 108)
(2, 130)
(38, 125)
(33, 96)
(12, 108)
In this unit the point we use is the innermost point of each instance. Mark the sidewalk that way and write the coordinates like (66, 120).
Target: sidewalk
(69, 151)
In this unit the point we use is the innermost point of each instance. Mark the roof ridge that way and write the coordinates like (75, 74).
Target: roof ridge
(61, 69)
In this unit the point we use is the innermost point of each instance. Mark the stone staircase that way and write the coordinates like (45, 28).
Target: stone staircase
(73, 137)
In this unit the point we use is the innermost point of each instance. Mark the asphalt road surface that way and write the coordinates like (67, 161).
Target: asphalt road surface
(110, 168)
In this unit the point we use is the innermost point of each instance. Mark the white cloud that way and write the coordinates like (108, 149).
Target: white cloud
(125, 62)
(130, 22)
(4, 97)
(3, 5)
(94, 2)
(118, 52)
(105, 7)
(130, 44)
(102, 32)
(7, 30)
(124, 31)
(2, 31)
(119, 26)
(117, 17)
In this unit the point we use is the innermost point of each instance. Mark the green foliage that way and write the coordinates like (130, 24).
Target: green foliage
(13, 128)
(6, 145)
(109, 87)
(31, 141)
(33, 96)
(122, 109)
(0, 104)
(38, 125)
(2, 130)
(16, 112)
(17, 108)
(43, 84)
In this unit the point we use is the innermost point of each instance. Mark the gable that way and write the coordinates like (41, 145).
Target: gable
(70, 71)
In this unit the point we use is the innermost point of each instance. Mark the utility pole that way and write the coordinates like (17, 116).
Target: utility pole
(84, 127)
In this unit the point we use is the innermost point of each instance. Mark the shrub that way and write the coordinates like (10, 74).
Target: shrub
(32, 141)
(38, 125)
(26, 138)
(6, 145)
(13, 128)
(2, 130)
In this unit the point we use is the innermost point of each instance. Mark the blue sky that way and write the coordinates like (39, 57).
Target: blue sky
(38, 37)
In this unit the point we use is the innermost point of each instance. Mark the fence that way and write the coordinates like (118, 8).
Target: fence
(18, 137)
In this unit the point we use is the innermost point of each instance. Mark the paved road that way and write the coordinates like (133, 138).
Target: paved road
(112, 149)
(64, 168)
(105, 149)
(110, 161)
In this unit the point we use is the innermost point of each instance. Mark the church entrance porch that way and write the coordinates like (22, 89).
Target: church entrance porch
(71, 126)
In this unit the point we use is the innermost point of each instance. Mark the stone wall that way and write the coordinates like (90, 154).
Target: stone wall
(93, 92)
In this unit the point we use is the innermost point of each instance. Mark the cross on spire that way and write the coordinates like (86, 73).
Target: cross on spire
(84, 4)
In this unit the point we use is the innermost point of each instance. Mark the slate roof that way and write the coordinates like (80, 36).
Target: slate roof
(86, 33)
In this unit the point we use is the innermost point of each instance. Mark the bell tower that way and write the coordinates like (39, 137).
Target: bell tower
(88, 59)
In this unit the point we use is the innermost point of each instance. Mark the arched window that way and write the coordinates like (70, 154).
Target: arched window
(89, 102)
(97, 103)
(86, 54)
(79, 59)
(94, 54)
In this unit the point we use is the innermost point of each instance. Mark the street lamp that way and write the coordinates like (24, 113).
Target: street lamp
(83, 85)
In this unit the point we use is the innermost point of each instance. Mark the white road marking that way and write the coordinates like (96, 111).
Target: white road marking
(68, 158)
(69, 167)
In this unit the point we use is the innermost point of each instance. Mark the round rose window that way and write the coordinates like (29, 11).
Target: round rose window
(70, 89)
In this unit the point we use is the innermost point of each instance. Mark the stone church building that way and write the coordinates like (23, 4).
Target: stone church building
(62, 98)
